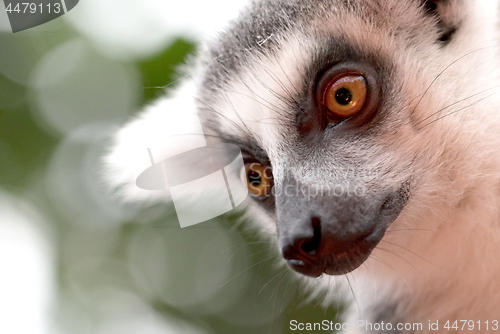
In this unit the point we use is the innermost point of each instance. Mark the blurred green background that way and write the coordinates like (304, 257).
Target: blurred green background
(110, 267)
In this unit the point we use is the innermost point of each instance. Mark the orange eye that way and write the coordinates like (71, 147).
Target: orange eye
(259, 179)
(345, 96)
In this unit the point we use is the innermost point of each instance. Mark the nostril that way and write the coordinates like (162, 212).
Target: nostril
(311, 245)
(303, 254)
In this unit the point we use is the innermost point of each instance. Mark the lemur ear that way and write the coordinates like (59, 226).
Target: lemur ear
(447, 16)
(129, 156)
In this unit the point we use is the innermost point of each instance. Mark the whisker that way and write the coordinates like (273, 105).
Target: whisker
(281, 85)
(171, 83)
(328, 304)
(411, 252)
(415, 229)
(287, 286)
(273, 92)
(471, 96)
(270, 106)
(241, 272)
(231, 140)
(272, 279)
(287, 272)
(318, 302)
(453, 112)
(211, 109)
(402, 258)
(291, 85)
(253, 205)
(354, 296)
(397, 272)
(246, 244)
(228, 101)
(445, 69)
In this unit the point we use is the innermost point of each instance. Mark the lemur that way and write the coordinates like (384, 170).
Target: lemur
(370, 132)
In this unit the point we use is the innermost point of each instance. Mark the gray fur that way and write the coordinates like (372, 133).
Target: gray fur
(266, 21)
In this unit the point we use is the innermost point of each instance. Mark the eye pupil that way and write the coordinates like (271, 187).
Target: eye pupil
(343, 96)
(258, 179)
(254, 178)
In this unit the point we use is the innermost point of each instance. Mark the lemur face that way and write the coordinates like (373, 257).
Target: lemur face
(339, 108)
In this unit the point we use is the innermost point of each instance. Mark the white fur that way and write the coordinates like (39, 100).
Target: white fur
(128, 158)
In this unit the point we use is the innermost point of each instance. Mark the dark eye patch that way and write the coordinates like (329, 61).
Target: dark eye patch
(249, 147)
(431, 7)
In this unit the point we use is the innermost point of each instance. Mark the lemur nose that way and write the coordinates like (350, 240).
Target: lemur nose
(332, 234)
(302, 252)
(316, 248)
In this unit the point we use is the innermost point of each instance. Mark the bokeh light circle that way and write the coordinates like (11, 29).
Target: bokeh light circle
(73, 86)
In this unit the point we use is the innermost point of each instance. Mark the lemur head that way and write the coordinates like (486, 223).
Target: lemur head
(353, 116)
(356, 118)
